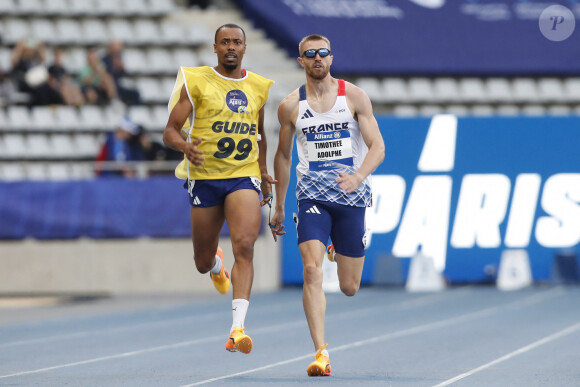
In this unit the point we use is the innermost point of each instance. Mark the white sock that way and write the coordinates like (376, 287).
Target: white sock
(239, 309)
(325, 352)
(218, 265)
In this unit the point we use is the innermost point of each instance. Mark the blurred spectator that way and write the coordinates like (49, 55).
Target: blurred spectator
(97, 84)
(27, 54)
(6, 89)
(120, 146)
(153, 150)
(30, 72)
(60, 80)
(131, 142)
(113, 61)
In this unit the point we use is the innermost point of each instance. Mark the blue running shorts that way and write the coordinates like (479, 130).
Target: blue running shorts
(345, 225)
(208, 193)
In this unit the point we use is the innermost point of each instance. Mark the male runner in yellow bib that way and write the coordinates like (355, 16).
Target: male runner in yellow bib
(217, 120)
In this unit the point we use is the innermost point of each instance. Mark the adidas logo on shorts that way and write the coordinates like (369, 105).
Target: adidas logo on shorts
(312, 210)
(196, 201)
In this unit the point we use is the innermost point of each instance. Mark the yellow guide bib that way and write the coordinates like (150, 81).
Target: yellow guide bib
(225, 115)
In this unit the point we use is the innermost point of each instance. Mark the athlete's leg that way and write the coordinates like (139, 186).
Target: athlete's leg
(206, 225)
(349, 273)
(243, 214)
(313, 228)
(313, 298)
(348, 237)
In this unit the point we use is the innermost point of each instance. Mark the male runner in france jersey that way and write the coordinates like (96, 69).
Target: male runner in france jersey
(339, 144)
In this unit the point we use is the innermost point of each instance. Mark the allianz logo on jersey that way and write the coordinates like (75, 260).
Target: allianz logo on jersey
(490, 211)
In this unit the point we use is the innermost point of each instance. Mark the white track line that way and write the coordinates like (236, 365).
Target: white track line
(272, 365)
(182, 320)
(208, 339)
(388, 336)
(517, 352)
(117, 356)
(128, 327)
(153, 349)
(404, 332)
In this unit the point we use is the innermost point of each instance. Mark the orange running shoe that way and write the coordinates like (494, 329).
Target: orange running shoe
(320, 366)
(330, 253)
(221, 281)
(239, 341)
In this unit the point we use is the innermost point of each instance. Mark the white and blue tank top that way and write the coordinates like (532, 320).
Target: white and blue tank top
(329, 143)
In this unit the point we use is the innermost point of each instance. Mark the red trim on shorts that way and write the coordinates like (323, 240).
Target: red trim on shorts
(341, 88)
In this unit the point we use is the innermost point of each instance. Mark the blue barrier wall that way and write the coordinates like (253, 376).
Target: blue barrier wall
(463, 190)
(105, 208)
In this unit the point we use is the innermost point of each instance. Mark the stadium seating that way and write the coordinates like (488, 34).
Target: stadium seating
(472, 95)
(161, 35)
(66, 136)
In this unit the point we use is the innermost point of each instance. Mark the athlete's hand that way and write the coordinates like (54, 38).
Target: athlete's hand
(347, 182)
(276, 224)
(266, 187)
(193, 153)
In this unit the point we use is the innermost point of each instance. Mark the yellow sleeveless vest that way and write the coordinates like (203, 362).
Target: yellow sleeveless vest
(225, 116)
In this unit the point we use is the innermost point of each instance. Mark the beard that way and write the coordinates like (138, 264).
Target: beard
(230, 66)
(318, 75)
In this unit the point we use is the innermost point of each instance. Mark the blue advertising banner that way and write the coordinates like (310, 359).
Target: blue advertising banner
(463, 190)
(381, 37)
(104, 208)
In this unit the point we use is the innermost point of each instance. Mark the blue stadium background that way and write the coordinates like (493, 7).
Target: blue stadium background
(508, 90)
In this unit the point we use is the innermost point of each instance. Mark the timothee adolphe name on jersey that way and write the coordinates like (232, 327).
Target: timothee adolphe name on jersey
(330, 144)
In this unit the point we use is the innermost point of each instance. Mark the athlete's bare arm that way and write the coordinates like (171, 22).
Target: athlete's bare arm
(267, 180)
(172, 134)
(361, 107)
(287, 114)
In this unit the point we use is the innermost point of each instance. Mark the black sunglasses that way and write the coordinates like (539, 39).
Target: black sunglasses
(312, 52)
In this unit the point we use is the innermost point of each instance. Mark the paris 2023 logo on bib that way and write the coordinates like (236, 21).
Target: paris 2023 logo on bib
(237, 101)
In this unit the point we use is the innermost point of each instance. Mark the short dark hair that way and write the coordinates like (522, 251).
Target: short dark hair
(229, 25)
